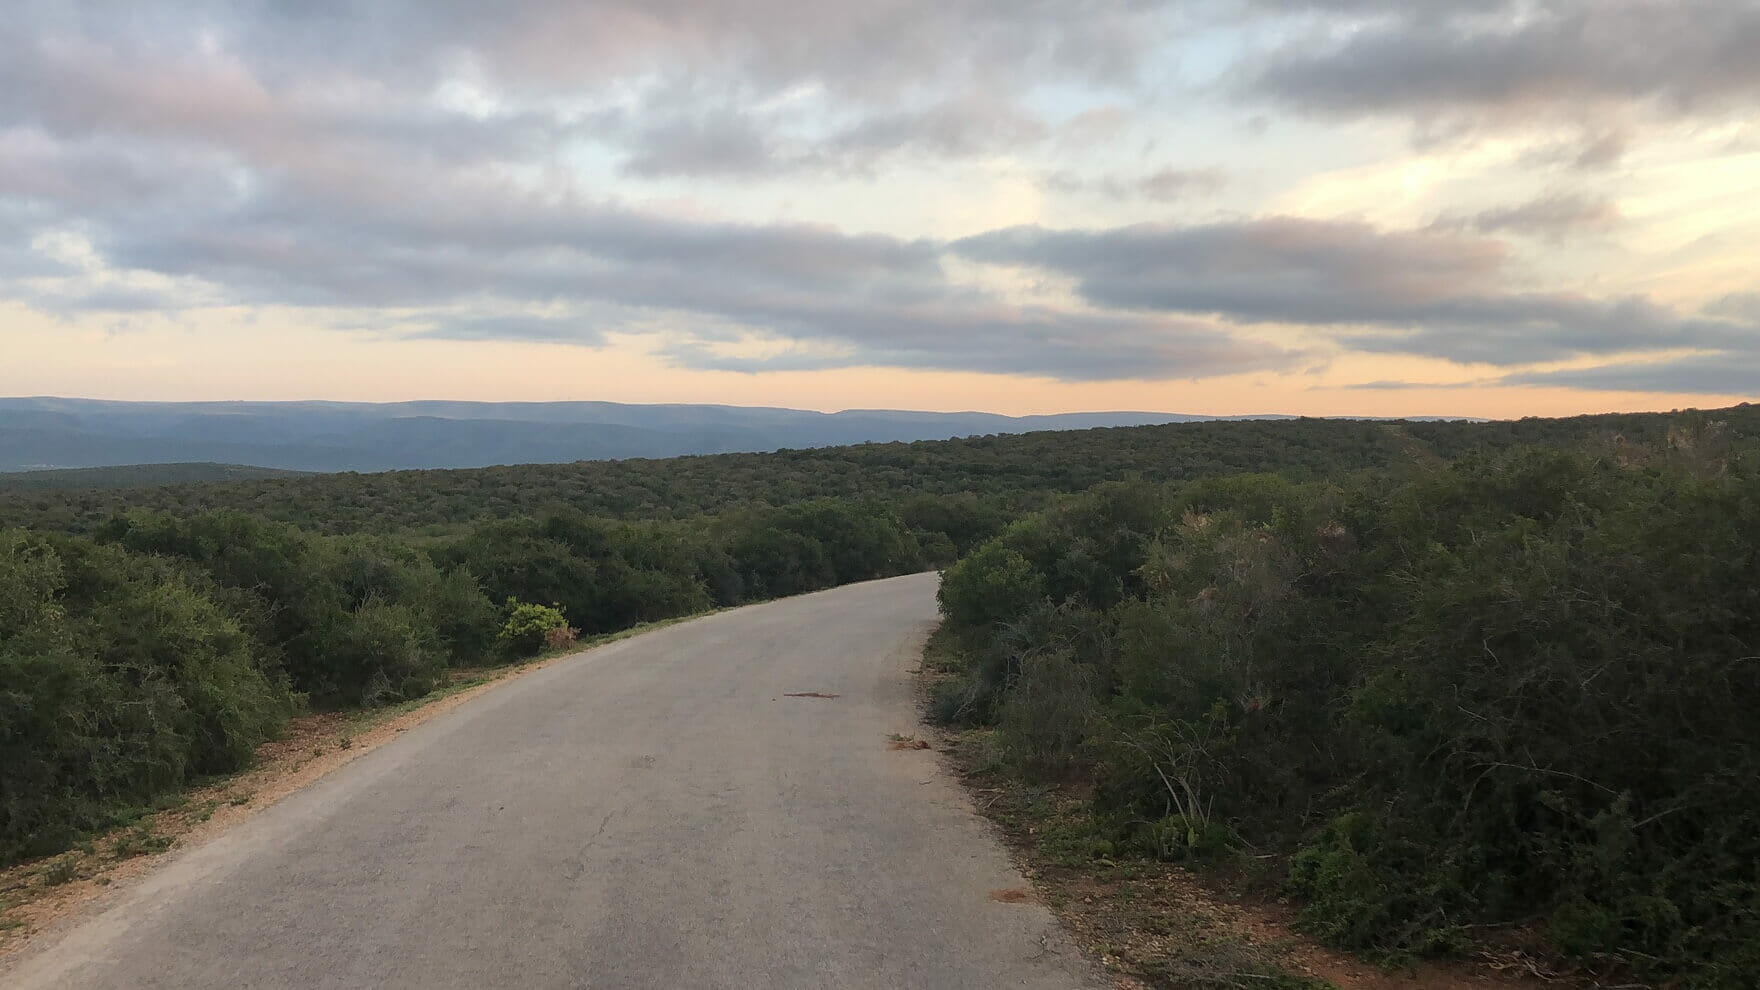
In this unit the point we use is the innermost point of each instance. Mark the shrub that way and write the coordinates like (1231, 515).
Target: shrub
(560, 637)
(378, 654)
(528, 626)
(1047, 715)
(994, 585)
(120, 680)
(1518, 691)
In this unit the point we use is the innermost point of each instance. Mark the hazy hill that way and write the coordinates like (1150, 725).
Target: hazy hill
(39, 434)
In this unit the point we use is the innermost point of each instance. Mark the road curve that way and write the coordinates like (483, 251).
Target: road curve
(657, 812)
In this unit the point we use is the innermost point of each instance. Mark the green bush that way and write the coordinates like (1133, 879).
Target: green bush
(994, 585)
(527, 625)
(1517, 691)
(379, 653)
(1046, 716)
(120, 681)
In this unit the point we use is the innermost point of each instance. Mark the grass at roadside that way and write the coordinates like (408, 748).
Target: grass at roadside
(37, 892)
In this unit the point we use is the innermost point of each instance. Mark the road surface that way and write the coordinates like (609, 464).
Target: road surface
(657, 812)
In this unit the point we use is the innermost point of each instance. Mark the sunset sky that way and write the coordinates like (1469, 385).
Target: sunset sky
(1378, 207)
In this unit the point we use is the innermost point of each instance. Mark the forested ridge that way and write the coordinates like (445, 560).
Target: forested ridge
(1025, 467)
(1463, 677)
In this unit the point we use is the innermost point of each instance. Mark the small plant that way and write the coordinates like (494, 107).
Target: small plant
(528, 626)
(141, 841)
(560, 638)
(62, 870)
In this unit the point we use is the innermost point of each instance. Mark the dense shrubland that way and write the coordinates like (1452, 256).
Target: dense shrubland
(1017, 472)
(1511, 698)
(159, 649)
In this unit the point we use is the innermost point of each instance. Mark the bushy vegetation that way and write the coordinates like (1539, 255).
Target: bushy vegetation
(529, 627)
(121, 677)
(1012, 473)
(1509, 698)
(159, 648)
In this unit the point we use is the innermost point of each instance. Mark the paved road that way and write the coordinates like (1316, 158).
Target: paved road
(653, 813)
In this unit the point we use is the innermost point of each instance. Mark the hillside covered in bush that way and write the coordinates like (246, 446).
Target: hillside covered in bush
(1021, 470)
(1508, 699)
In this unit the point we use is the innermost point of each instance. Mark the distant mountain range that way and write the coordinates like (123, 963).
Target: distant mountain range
(38, 434)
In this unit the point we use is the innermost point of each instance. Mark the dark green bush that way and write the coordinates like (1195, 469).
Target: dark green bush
(120, 681)
(1519, 691)
(992, 586)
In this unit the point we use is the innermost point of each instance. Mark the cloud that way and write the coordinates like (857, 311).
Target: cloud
(1705, 374)
(1044, 342)
(1387, 385)
(1557, 59)
(1553, 216)
(406, 166)
(1163, 185)
(478, 258)
(715, 143)
(1744, 306)
(1279, 269)
(1433, 293)
(729, 142)
(1727, 361)
(952, 128)
(440, 169)
(518, 326)
(285, 81)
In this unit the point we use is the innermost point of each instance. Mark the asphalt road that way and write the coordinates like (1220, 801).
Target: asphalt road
(657, 812)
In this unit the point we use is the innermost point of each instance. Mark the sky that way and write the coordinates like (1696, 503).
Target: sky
(1334, 207)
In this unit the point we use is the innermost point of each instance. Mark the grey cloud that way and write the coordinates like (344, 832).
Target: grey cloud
(1436, 293)
(1276, 269)
(952, 128)
(475, 260)
(302, 160)
(730, 142)
(1529, 328)
(1554, 216)
(1163, 185)
(1601, 150)
(726, 143)
(1173, 183)
(286, 73)
(73, 297)
(1684, 56)
(1400, 386)
(572, 329)
(1743, 306)
(1708, 374)
(1045, 343)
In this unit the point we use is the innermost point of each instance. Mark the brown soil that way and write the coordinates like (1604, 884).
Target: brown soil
(1091, 906)
(1013, 895)
(898, 744)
